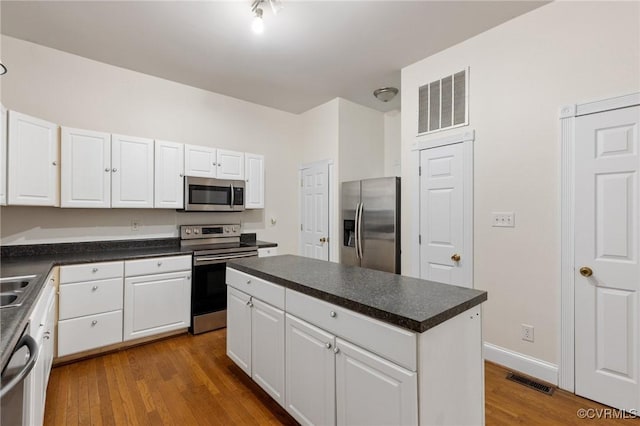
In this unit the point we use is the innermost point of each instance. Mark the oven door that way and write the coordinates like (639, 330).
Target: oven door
(209, 291)
(202, 194)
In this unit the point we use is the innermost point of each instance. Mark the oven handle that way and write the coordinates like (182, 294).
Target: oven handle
(221, 259)
(31, 344)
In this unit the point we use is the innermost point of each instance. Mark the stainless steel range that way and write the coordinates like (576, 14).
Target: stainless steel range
(213, 246)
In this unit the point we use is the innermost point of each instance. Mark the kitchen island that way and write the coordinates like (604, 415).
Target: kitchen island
(348, 345)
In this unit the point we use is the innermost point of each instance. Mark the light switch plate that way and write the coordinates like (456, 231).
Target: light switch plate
(503, 219)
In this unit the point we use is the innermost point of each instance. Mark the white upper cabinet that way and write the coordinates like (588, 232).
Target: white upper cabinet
(200, 161)
(132, 172)
(169, 172)
(254, 182)
(230, 165)
(33, 161)
(86, 168)
(3, 156)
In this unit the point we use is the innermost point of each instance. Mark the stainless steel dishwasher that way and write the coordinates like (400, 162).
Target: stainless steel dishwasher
(13, 384)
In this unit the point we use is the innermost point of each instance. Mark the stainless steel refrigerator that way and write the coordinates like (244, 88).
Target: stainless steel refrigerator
(370, 224)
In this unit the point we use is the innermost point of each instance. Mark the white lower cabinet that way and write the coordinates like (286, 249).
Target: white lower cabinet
(89, 332)
(371, 390)
(239, 329)
(267, 348)
(310, 372)
(156, 303)
(255, 341)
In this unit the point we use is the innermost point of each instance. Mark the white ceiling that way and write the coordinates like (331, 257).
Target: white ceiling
(311, 52)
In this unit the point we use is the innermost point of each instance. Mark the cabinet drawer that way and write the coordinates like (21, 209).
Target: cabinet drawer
(157, 265)
(90, 332)
(92, 297)
(257, 287)
(268, 251)
(388, 341)
(90, 271)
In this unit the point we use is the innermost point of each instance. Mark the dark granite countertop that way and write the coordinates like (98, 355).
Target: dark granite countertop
(411, 303)
(40, 259)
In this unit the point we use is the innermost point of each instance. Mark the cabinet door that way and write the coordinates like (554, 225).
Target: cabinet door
(239, 328)
(33, 161)
(371, 390)
(200, 161)
(254, 182)
(86, 168)
(310, 373)
(156, 304)
(132, 172)
(267, 349)
(3, 156)
(230, 165)
(169, 172)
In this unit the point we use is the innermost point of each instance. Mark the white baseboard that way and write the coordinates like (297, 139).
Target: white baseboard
(526, 364)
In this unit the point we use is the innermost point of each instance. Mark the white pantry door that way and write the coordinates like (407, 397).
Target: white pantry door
(314, 229)
(607, 283)
(442, 216)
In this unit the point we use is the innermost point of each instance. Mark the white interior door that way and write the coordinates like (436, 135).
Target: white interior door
(444, 223)
(606, 245)
(314, 217)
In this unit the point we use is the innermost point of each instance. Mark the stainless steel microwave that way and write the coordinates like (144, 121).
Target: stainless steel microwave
(213, 195)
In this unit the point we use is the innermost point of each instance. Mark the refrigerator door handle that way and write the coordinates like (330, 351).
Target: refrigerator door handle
(359, 227)
(356, 231)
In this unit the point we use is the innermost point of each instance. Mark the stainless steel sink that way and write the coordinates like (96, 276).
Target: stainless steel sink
(13, 290)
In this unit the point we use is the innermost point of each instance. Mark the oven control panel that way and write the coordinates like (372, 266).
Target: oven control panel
(193, 232)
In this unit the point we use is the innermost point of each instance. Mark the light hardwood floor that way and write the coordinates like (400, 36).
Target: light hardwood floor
(188, 380)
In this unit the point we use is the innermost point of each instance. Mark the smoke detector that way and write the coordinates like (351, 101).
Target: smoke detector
(385, 94)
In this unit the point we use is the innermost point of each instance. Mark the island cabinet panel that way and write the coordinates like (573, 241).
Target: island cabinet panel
(451, 353)
(310, 373)
(262, 289)
(371, 390)
(267, 348)
(239, 329)
(390, 342)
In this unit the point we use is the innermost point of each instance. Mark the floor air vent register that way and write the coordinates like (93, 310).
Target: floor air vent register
(525, 381)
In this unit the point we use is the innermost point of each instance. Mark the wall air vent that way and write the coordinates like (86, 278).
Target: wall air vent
(442, 104)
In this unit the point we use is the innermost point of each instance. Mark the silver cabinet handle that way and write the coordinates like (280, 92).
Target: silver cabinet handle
(94, 288)
(47, 335)
(114, 170)
(94, 270)
(181, 175)
(336, 350)
(327, 345)
(55, 163)
(93, 323)
(159, 263)
(248, 281)
(332, 314)
(107, 170)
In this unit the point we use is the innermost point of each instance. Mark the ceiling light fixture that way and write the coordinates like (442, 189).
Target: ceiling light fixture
(385, 94)
(256, 7)
(258, 24)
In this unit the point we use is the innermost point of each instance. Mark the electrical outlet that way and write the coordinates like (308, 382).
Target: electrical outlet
(135, 225)
(527, 332)
(503, 219)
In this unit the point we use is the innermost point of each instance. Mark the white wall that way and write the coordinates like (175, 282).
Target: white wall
(521, 73)
(78, 92)
(392, 143)
(361, 142)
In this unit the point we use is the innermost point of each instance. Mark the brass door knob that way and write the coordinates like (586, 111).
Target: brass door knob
(456, 257)
(323, 240)
(585, 271)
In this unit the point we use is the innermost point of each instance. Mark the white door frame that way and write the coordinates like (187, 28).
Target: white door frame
(331, 216)
(425, 142)
(568, 114)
